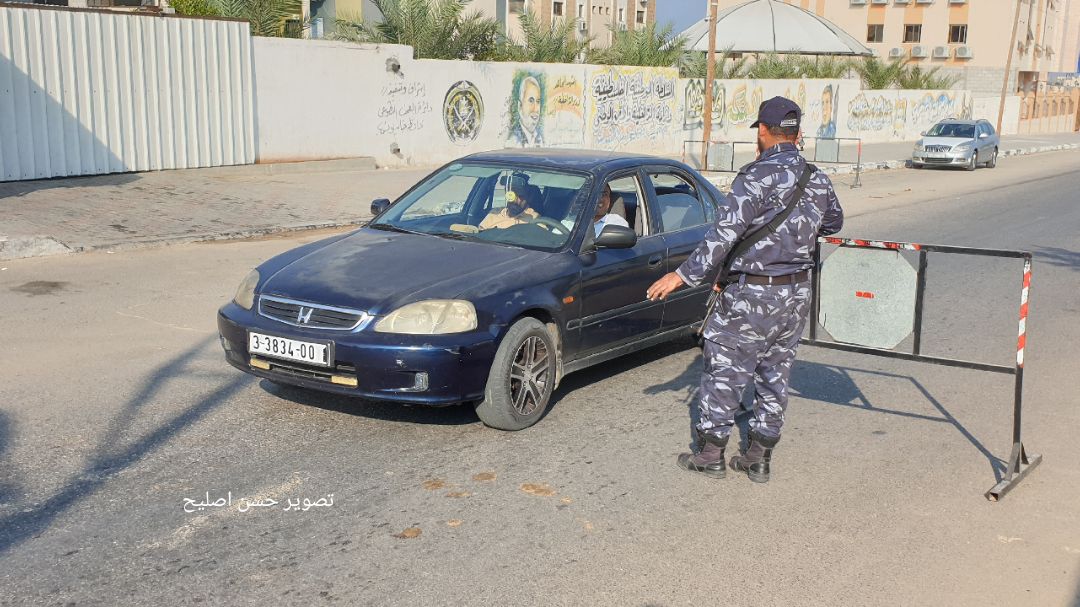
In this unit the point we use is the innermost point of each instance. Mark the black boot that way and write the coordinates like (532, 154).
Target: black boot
(709, 459)
(755, 463)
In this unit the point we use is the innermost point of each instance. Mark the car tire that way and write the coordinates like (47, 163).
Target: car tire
(916, 165)
(993, 160)
(973, 163)
(521, 379)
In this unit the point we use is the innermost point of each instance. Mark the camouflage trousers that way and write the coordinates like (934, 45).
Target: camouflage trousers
(752, 334)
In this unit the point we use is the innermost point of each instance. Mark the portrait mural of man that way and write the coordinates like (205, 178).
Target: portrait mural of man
(828, 113)
(527, 110)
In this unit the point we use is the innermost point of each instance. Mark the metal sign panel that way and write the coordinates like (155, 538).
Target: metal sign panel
(827, 150)
(721, 156)
(867, 297)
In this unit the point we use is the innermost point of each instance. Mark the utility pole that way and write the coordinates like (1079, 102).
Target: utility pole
(1008, 66)
(710, 74)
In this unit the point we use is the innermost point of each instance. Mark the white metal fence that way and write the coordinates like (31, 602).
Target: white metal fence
(84, 92)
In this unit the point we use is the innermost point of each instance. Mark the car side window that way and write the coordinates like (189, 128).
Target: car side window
(678, 201)
(989, 128)
(627, 201)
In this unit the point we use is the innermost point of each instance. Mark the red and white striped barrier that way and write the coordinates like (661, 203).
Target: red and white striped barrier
(1021, 341)
(874, 244)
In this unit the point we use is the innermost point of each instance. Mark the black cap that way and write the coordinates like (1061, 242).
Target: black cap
(774, 112)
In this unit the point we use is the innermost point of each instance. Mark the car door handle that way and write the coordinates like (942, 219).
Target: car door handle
(655, 260)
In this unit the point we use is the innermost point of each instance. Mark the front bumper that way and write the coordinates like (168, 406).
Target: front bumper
(946, 159)
(377, 366)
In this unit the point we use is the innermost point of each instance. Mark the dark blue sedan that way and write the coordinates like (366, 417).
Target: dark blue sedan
(485, 283)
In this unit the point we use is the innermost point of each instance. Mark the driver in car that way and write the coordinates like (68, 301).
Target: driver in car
(604, 216)
(515, 212)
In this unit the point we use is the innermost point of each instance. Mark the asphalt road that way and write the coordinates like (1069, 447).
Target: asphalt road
(116, 406)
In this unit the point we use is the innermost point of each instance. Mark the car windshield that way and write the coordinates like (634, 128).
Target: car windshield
(525, 207)
(948, 129)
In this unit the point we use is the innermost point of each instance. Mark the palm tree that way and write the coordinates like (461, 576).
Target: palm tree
(556, 43)
(267, 17)
(696, 65)
(436, 29)
(829, 68)
(915, 77)
(646, 46)
(878, 75)
(774, 67)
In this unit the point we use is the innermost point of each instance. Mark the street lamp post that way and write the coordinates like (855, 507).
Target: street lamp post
(710, 73)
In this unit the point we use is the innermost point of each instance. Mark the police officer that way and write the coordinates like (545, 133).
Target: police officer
(753, 332)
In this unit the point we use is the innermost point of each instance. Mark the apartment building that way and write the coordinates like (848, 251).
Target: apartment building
(597, 19)
(967, 37)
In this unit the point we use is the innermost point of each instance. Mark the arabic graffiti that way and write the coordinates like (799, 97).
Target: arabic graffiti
(245, 504)
(694, 104)
(564, 123)
(631, 104)
(870, 113)
(463, 112)
(937, 106)
(404, 108)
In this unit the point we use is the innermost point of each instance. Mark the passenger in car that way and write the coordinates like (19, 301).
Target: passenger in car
(515, 212)
(604, 216)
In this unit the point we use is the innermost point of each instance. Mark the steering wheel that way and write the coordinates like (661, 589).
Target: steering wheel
(552, 225)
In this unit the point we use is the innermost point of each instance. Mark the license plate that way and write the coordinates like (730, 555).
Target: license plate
(936, 155)
(289, 349)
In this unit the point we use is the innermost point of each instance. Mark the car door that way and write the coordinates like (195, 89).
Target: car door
(614, 309)
(684, 210)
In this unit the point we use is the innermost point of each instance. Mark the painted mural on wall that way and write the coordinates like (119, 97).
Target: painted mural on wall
(404, 108)
(826, 111)
(463, 112)
(694, 104)
(900, 114)
(564, 121)
(527, 105)
(630, 104)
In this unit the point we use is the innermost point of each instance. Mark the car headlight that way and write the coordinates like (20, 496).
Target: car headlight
(245, 293)
(432, 317)
(918, 146)
(963, 147)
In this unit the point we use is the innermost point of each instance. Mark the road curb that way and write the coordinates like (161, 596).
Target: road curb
(886, 165)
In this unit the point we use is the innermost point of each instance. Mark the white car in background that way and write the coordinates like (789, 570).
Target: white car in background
(962, 143)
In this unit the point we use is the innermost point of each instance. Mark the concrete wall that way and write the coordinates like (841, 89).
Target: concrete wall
(987, 109)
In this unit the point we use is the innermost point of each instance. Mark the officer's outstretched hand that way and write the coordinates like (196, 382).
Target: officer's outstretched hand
(667, 284)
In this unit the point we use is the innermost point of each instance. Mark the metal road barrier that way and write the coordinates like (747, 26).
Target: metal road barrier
(729, 156)
(863, 281)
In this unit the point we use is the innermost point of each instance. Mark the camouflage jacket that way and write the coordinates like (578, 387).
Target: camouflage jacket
(759, 192)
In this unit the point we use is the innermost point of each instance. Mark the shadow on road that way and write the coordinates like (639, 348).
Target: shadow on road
(828, 384)
(454, 415)
(1062, 258)
(9, 483)
(113, 454)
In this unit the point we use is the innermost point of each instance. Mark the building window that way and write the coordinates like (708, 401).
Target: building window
(875, 33)
(913, 33)
(517, 6)
(557, 9)
(641, 17)
(958, 34)
(622, 15)
(581, 10)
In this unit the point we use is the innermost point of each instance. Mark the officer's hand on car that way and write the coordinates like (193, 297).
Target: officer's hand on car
(667, 284)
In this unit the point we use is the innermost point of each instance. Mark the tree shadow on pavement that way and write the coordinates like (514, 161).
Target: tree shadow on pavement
(828, 384)
(113, 454)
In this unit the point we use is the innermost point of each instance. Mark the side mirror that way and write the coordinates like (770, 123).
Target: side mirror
(616, 237)
(922, 134)
(983, 135)
(379, 205)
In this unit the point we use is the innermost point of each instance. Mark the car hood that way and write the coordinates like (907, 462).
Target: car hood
(950, 141)
(378, 271)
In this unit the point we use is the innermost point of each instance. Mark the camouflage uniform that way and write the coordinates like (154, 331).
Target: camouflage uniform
(754, 329)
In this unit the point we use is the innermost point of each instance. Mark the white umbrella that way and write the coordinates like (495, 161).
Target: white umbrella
(770, 26)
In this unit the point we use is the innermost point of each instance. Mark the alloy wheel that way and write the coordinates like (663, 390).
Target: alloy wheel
(529, 375)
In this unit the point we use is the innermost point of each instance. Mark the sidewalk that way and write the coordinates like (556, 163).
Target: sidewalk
(113, 212)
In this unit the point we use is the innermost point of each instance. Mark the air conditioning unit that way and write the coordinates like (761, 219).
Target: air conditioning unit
(941, 52)
(902, 1)
(643, 2)
(957, 1)
(964, 52)
(924, 1)
(918, 51)
(896, 52)
(858, 2)
(879, 1)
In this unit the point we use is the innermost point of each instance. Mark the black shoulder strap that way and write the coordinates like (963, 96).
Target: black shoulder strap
(751, 239)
